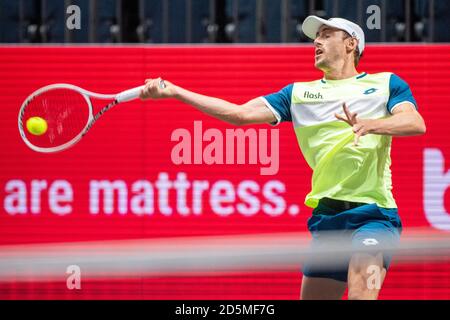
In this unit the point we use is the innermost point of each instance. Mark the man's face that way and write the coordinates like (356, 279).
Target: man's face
(330, 47)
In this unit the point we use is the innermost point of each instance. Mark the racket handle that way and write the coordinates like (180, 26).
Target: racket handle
(129, 95)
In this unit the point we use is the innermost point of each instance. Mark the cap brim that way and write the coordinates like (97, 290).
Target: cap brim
(312, 24)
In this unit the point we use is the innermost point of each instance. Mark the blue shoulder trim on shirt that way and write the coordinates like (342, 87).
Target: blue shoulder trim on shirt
(281, 102)
(362, 75)
(399, 92)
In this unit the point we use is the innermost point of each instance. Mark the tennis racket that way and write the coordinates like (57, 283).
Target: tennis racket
(68, 113)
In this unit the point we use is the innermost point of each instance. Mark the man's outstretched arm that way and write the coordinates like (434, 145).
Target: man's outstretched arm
(252, 112)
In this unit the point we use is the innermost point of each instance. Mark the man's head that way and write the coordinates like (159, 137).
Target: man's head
(337, 41)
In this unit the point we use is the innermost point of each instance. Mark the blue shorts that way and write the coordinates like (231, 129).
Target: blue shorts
(360, 227)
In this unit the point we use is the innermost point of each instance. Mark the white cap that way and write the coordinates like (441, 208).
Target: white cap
(312, 24)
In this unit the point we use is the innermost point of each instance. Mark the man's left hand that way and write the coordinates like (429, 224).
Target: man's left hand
(361, 127)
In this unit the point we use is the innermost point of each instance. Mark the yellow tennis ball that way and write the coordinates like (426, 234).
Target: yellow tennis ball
(37, 126)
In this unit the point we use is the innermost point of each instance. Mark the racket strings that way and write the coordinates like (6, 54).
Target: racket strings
(66, 113)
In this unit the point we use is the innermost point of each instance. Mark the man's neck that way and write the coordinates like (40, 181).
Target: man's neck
(342, 72)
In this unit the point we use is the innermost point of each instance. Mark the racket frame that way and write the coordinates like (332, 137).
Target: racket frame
(86, 94)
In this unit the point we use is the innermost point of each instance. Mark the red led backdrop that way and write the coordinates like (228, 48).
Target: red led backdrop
(258, 189)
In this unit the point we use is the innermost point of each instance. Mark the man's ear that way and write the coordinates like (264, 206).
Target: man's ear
(351, 45)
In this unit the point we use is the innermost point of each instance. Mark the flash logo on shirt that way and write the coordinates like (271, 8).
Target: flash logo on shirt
(310, 95)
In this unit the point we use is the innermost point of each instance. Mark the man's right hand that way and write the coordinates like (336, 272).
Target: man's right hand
(155, 90)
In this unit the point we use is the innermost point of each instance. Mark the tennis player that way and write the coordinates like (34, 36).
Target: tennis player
(344, 125)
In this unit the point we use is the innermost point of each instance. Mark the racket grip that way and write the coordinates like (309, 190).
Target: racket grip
(129, 95)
